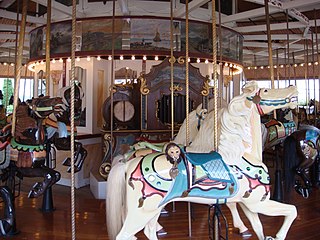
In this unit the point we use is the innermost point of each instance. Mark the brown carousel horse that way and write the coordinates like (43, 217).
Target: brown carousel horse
(29, 143)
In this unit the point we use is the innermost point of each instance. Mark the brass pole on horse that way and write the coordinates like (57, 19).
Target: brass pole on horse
(215, 77)
(288, 50)
(19, 63)
(187, 99)
(317, 50)
(306, 71)
(72, 126)
(294, 69)
(172, 61)
(112, 80)
(277, 64)
(266, 3)
(48, 33)
(314, 81)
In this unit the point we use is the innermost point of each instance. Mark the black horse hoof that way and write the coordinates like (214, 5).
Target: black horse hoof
(67, 162)
(76, 169)
(36, 191)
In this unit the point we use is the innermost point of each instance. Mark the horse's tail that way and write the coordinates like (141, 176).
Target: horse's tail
(290, 162)
(115, 199)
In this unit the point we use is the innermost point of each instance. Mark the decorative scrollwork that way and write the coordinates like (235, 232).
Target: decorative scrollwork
(206, 87)
(181, 60)
(143, 85)
(176, 88)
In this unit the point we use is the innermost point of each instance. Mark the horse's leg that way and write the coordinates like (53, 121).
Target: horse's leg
(254, 220)
(79, 151)
(152, 227)
(237, 222)
(274, 208)
(50, 177)
(131, 226)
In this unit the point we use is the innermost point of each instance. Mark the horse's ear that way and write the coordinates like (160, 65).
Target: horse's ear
(250, 87)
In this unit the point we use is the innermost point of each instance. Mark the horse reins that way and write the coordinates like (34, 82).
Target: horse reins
(258, 101)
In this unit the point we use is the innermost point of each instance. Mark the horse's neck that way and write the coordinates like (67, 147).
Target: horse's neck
(255, 152)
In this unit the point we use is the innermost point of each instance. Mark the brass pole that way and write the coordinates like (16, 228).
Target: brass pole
(187, 100)
(317, 47)
(112, 79)
(187, 73)
(269, 43)
(266, 3)
(172, 60)
(215, 77)
(288, 49)
(19, 63)
(72, 126)
(48, 34)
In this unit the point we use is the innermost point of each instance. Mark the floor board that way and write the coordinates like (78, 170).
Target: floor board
(32, 223)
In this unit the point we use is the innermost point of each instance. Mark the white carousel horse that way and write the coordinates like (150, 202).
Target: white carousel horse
(196, 117)
(144, 185)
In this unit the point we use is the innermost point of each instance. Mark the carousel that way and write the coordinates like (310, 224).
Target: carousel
(157, 108)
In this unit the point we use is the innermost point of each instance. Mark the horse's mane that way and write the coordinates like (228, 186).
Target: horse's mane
(234, 128)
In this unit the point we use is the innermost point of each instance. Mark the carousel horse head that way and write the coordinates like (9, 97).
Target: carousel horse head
(29, 116)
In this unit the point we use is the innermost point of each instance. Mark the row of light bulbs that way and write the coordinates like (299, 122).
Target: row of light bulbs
(282, 65)
(236, 68)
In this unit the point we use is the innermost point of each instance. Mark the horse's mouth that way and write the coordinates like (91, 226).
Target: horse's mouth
(293, 99)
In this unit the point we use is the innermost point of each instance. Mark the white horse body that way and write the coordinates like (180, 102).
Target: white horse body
(240, 136)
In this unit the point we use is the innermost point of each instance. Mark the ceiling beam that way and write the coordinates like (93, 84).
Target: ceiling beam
(13, 44)
(6, 4)
(13, 16)
(56, 6)
(12, 28)
(284, 37)
(195, 4)
(248, 14)
(298, 3)
(8, 36)
(263, 27)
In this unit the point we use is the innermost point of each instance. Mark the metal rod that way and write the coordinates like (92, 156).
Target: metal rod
(19, 63)
(172, 60)
(266, 3)
(112, 79)
(288, 48)
(72, 126)
(48, 33)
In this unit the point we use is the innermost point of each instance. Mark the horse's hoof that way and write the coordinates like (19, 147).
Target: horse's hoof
(76, 169)
(67, 162)
(161, 232)
(36, 191)
(246, 234)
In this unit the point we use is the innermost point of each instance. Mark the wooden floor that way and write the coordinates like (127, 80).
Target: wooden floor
(33, 223)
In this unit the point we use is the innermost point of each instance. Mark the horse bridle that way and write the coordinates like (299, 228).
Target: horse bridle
(256, 99)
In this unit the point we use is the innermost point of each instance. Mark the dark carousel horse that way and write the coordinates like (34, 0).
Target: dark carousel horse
(301, 161)
(58, 127)
(30, 142)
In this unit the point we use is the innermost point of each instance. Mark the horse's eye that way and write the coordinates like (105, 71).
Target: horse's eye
(266, 90)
